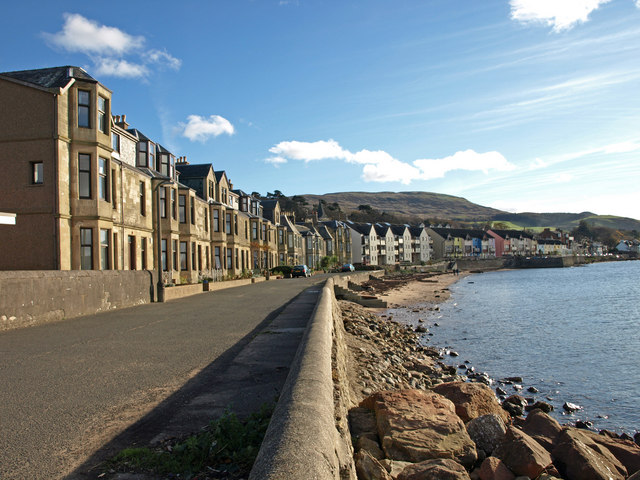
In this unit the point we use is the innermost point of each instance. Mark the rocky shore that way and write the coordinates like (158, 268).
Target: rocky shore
(416, 417)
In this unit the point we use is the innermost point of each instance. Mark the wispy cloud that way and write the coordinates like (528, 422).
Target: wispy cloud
(201, 129)
(108, 47)
(380, 166)
(560, 15)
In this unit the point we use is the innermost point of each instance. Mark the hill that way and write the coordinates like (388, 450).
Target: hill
(416, 205)
(419, 206)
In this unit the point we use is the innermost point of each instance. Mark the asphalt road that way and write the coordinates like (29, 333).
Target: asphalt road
(70, 387)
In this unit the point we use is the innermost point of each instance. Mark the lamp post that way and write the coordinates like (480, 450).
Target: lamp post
(160, 284)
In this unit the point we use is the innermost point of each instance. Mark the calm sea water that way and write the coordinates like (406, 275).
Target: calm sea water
(573, 333)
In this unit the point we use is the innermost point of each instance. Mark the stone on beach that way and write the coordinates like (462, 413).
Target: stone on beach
(414, 426)
(625, 451)
(437, 469)
(522, 454)
(494, 469)
(487, 432)
(472, 400)
(542, 428)
(369, 468)
(578, 457)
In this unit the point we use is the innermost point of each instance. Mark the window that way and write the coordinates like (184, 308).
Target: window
(163, 202)
(206, 219)
(104, 249)
(152, 155)
(142, 154)
(254, 231)
(175, 254)
(132, 252)
(143, 199)
(102, 114)
(113, 188)
(103, 183)
(37, 173)
(218, 264)
(207, 254)
(115, 142)
(224, 196)
(183, 255)
(143, 253)
(163, 254)
(84, 175)
(216, 220)
(192, 210)
(236, 257)
(193, 255)
(182, 208)
(227, 223)
(84, 102)
(280, 237)
(263, 234)
(173, 204)
(86, 248)
(199, 257)
(164, 164)
(115, 251)
(229, 259)
(235, 224)
(210, 189)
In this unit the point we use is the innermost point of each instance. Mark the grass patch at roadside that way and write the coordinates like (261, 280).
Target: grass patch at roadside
(226, 448)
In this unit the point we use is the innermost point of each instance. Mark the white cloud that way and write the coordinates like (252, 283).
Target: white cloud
(201, 129)
(276, 161)
(309, 151)
(79, 34)
(162, 57)
(111, 67)
(463, 160)
(380, 166)
(559, 14)
(108, 46)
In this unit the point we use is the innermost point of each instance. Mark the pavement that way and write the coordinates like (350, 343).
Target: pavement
(76, 392)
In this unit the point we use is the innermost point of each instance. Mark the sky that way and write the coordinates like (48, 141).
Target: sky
(521, 105)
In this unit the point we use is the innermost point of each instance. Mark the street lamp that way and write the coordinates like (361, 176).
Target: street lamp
(160, 284)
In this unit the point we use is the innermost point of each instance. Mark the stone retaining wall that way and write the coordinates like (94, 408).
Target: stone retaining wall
(30, 298)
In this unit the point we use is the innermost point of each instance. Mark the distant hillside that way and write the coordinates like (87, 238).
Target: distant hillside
(568, 221)
(419, 205)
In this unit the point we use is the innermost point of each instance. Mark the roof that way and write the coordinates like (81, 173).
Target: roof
(194, 171)
(398, 229)
(416, 231)
(459, 232)
(219, 174)
(51, 78)
(512, 233)
(362, 228)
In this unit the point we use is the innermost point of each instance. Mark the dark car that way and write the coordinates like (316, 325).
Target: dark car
(300, 271)
(347, 267)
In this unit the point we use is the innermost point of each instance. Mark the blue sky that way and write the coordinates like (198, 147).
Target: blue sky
(522, 105)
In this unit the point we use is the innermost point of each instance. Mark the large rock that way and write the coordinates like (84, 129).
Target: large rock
(472, 400)
(439, 469)
(414, 425)
(522, 454)
(578, 457)
(494, 469)
(542, 428)
(368, 468)
(487, 432)
(626, 452)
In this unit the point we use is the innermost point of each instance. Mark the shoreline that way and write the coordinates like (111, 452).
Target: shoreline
(392, 361)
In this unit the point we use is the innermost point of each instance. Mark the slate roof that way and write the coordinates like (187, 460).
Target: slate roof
(459, 232)
(512, 233)
(194, 171)
(219, 174)
(50, 78)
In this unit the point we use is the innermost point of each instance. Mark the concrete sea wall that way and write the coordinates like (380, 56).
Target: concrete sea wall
(30, 298)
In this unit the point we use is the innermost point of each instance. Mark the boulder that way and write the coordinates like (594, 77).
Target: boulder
(487, 432)
(414, 426)
(627, 452)
(362, 422)
(544, 406)
(437, 469)
(515, 405)
(371, 446)
(522, 454)
(578, 457)
(368, 468)
(542, 428)
(472, 400)
(493, 469)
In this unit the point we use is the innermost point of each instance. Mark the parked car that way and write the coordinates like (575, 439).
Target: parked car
(300, 271)
(347, 267)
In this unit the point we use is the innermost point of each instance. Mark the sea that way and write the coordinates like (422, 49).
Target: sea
(571, 333)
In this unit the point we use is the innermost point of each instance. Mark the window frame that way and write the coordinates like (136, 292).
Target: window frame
(105, 249)
(103, 108)
(37, 173)
(143, 198)
(85, 174)
(84, 119)
(86, 248)
(182, 208)
(103, 179)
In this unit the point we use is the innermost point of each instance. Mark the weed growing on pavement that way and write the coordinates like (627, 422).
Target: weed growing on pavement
(226, 448)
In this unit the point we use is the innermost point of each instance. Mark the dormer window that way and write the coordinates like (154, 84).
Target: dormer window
(84, 104)
(142, 154)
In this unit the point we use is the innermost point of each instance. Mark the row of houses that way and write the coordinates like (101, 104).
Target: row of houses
(88, 191)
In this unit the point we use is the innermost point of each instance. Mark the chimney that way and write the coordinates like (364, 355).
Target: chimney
(121, 121)
(182, 161)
